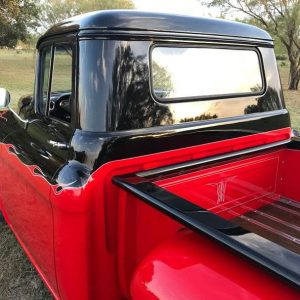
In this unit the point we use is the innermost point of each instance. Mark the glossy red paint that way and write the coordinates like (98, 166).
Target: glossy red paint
(101, 233)
(230, 189)
(29, 213)
(289, 179)
(190, 266)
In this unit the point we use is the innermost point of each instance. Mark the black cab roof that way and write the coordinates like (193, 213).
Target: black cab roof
(141, 21)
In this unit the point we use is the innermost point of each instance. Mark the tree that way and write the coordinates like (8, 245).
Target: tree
(17, 18)
(281, 18)
(58, 10)
(132, 105)
(161, 80)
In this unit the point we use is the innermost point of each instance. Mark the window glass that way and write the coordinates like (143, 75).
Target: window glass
(62, 69)
(61, 85)
(181, 72)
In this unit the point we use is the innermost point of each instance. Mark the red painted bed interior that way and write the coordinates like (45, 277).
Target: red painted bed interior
(230, 189)
(251, 192)
(101, 234)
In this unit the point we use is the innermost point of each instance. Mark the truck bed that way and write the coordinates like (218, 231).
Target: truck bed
(249, 202)
(278, 221)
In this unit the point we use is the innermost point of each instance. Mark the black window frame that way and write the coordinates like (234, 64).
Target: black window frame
(206, 97)
(71, 41)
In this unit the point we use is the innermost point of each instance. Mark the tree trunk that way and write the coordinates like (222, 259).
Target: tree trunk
(294, 58)
(294, 77)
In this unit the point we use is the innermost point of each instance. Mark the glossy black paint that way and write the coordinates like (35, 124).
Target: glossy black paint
(36, 142)
(113, 114)
(134, 20)
(295, 143)
(117, 96)
(164, 138)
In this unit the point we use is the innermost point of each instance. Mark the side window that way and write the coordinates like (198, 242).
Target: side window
(61, 84)
(56, 82)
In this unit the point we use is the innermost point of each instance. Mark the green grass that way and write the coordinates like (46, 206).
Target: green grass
(17, 70)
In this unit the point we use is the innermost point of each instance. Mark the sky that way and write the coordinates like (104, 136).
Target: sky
(189, 7)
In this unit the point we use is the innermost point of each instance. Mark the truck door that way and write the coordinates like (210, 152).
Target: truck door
(35, 149)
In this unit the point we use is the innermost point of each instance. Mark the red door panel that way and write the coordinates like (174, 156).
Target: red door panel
(25, 198)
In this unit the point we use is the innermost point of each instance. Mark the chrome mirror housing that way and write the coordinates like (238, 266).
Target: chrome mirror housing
(4, 98)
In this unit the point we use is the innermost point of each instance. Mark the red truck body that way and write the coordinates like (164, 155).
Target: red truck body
(208, 208)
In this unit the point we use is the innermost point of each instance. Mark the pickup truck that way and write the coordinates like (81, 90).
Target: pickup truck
(154, 160)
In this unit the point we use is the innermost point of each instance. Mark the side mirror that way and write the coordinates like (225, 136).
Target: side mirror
(25, 106)
(4, 98)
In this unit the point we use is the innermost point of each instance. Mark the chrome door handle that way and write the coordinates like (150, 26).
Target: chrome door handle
(59, 145)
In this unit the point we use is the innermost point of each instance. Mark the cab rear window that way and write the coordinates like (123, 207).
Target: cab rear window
(186, 72)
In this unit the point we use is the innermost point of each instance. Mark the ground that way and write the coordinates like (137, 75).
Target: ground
(18, 279)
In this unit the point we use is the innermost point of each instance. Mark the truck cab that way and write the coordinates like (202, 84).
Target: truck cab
(154, 160)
